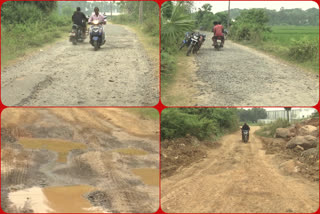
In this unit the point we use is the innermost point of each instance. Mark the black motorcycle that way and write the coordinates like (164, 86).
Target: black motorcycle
(193, 43)
(245, 135)
(96, 34)
(76, 34)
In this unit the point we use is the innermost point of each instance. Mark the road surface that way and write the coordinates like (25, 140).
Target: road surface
(237, 178)
(119, 74)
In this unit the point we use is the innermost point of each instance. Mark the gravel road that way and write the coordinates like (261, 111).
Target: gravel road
(119, 74)
(241, 76)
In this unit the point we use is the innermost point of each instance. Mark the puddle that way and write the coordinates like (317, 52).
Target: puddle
(131, 151)
(62, 147)
(149, 176)
(69, 199)
(61, 199)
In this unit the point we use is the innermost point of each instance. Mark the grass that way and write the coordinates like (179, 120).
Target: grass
(62, 147)
(269, 130)
(18, 43)
(282, 39)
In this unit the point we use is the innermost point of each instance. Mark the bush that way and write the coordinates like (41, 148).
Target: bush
(269, 130)
(304, 50)
(201, 123)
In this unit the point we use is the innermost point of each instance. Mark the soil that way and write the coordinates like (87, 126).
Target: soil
(99, 167)
(237, 177)
(119, 74)
(241, 76)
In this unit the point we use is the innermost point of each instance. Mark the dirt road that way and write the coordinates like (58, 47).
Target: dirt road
(237, 178)
(119, 74)
(241, 76)
(89, 157)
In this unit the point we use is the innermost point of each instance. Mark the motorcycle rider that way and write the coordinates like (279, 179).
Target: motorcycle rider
(217, 33)
(97, 16)
(245, 127)
(80, 19)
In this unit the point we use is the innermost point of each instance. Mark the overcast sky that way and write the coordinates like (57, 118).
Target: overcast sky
(218, 6)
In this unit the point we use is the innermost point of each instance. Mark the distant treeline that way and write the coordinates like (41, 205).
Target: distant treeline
(296, 16)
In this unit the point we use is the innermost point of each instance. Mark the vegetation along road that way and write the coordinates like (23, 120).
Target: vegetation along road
(120, 73)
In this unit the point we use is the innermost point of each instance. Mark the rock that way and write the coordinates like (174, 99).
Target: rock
(279, 142)
(306, 142)
(300, 148)
(311, 154)
(307, 130)
(315, 132)
(283, 133)
(289, 167)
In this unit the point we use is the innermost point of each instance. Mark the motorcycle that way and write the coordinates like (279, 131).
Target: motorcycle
(76, 34)
(186, 41)
(217, 43)
(194, 42)
(245, 135)
(96, 34)
(202, 38)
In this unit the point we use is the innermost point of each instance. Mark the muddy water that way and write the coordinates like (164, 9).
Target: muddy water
(131, 151)
(69, 199)
(61, 199)
(62, 147)
(149, 176)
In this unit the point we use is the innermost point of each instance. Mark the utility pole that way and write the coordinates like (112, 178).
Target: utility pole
(288, 109)
(111, 10)
(228, 23)
(141, 12)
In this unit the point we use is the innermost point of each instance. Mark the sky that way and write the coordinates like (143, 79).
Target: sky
(218, 6)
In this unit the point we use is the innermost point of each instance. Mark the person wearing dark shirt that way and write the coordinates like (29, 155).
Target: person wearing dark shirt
(245, 127)
(80, 19)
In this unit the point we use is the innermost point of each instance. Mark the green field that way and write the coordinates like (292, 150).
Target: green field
(296, 44)
(285, 35)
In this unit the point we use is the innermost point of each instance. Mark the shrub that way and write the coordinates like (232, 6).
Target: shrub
(269, 130)
(304, 49)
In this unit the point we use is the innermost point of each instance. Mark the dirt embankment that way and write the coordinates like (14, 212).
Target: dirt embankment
(296, 149)
(237, 177)
(93, 154)
(241, 76)
(119, 74)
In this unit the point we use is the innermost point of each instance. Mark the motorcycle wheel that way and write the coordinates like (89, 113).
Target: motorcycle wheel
(189, 49)
(74, 41)
(96, 46)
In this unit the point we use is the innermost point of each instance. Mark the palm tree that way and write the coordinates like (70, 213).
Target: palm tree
(174, 27)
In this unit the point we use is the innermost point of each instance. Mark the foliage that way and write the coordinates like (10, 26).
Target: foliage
(130, 15)
(250, 25)
(205, 18)
(26, 25)
(304, 49)
(174, 29)
(252, 115)
(199, 122)
(297, 16)
(269, 130)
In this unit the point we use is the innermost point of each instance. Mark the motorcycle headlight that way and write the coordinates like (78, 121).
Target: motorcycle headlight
(95, 22)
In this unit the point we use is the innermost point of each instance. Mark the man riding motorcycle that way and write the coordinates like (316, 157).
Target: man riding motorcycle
(97, 16)
(80, 19)
(245, 127)
(217, 33)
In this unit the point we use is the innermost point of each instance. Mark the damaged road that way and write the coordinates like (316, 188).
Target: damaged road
(121, 73)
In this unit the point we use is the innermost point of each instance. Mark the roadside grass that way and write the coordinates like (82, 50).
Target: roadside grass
(269, 130)
(179, 73)
(16, 43)
(295, 44)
